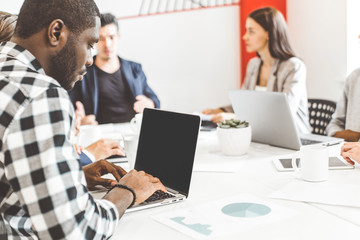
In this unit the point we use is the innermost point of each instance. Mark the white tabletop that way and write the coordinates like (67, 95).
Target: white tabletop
(217, 176)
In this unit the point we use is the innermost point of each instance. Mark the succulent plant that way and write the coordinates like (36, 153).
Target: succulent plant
(233, 123)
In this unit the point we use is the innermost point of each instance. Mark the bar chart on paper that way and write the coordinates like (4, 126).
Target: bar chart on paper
(223, 217)
(197, 227)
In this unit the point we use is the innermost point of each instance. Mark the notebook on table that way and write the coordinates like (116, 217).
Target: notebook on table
(271, 120)
(166, 150)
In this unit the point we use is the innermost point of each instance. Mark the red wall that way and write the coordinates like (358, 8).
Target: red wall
(246, 7)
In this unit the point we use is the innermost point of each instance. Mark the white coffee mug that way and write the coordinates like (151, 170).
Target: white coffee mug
(131, 143)
(88, 134)
(136, 123)
(314, 162)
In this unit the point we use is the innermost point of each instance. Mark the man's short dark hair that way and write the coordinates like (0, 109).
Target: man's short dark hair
(108, 18)
(78, 15)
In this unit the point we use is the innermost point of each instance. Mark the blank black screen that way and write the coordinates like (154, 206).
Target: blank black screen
(167, 145)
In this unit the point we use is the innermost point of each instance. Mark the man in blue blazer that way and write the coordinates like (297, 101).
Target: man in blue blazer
(113, 89)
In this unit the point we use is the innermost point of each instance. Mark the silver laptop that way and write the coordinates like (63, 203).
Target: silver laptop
(166, 149)
(271, 120)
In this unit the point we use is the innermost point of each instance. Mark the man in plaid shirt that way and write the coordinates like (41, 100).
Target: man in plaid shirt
(43, 193)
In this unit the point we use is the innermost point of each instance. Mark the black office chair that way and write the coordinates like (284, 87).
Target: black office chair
(320, 113)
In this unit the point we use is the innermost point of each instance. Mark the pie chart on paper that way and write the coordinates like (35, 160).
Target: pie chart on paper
(246, 210)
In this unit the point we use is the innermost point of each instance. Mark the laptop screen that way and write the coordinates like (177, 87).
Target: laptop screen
(167, 145)
(269, 115)
(271, 119)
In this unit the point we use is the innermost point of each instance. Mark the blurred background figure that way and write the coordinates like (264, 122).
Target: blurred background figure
(114, 89)
(345, 121)
(7, 25)
(276, 67)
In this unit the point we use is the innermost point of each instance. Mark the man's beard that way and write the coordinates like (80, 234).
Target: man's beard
(63, 65)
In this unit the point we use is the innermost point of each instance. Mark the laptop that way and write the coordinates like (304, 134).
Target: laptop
(166, 150)
(271, 120)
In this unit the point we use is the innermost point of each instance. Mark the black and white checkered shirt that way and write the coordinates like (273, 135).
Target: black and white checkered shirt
(43, 192)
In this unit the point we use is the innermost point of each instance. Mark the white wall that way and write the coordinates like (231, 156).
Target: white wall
(353, 32)
(12, 6)
(191, 58)
(318, 30)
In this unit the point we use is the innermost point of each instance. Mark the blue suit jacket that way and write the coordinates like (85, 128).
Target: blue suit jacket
(84, 159)
(87, 91)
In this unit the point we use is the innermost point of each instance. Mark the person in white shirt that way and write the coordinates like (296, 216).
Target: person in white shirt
(98, 150)
(345, 122)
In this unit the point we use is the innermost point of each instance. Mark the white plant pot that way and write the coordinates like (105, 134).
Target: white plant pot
(234, 141)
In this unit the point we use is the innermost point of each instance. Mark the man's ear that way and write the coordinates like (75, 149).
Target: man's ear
(57, 33)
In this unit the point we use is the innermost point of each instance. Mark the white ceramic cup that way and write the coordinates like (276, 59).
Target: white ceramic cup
(131, 143)
(314, 162)
(136, 123)
(88, 134)
(234, 141)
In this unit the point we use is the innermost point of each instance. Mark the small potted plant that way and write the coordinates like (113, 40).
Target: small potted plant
(234, 136)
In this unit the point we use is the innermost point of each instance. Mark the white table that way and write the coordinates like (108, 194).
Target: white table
(217, 176)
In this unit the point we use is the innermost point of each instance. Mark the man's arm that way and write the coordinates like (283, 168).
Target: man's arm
(142, 102)
(85, 159)
(143, 185)
(105, 148)
(147, 91)
(94, 172)
(348, 135)
(338, 120)
(46, 176)
(81, 118)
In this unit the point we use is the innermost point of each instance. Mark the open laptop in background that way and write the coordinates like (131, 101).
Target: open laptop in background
(271, 120)
(166, 150)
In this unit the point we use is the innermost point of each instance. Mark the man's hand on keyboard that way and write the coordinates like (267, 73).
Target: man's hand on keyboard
(143, 184)
(95, 170)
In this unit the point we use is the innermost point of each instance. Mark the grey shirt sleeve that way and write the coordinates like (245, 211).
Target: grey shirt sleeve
(338, 119)
(347, 113)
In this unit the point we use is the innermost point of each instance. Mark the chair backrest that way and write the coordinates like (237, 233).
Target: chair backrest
(320, 113)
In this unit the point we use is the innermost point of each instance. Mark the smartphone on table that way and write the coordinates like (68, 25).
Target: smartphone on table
(284, 164)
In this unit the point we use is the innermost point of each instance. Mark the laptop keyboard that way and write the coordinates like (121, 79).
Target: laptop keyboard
(308, 141)
(158, 195)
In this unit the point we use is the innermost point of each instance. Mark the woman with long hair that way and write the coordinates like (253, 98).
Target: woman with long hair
(7, 25)
(276, 67)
